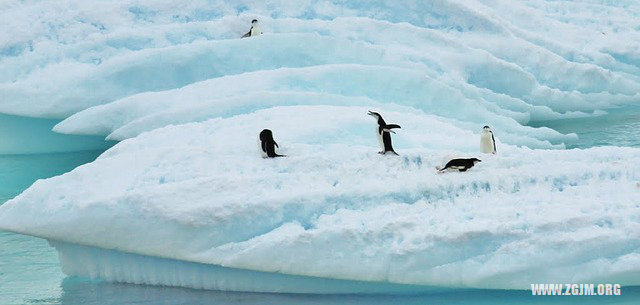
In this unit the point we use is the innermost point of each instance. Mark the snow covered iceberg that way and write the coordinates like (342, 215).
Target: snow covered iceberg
(185, 199)
(336, 209)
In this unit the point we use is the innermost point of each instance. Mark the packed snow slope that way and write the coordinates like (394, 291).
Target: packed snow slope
(185, 193)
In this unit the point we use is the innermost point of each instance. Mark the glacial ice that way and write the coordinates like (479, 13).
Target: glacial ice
(124, 267)
(336, 209)
(185, 199)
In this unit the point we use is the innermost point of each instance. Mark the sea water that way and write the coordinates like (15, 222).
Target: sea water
(616, 127)
(30, 272)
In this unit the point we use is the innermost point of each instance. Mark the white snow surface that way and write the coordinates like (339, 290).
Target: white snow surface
(186, 186)
(334, 208)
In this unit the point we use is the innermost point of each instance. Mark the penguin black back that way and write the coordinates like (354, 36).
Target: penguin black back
(268, 144)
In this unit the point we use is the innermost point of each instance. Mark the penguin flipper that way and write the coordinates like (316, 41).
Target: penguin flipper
(494, 143)
(392, 126)
(248, 34)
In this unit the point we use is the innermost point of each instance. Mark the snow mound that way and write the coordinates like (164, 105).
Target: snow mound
(327, 84)
(334, 208)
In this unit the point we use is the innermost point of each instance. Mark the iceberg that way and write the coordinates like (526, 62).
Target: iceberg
(336, 209)
(184, 198)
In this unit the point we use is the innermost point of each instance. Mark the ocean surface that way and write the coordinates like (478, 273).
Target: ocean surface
(618, 127)
(30, 272)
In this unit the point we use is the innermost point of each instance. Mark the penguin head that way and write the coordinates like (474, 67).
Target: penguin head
(475, 160)
(254, 21)
(486, 128)
(266, 135)
(374, 114)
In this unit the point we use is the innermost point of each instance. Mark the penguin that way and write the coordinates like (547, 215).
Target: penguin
(384, 133)
(487, 141)
(462, 165)
(268, 145)
(254, 31)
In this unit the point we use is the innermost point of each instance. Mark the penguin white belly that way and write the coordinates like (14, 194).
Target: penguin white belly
(380, 140)
(486, 143)
(255, 31)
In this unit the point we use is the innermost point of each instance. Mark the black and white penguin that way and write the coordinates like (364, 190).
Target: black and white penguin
(487, 141)
(254, 30)
(384, 133)
(268, 145)
(462, 165)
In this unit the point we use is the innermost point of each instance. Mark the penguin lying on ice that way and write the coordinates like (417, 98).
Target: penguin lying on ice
(384, 133)
(462, 165)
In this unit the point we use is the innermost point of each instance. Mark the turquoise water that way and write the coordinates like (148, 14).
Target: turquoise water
(619, 127)
(30, 272)
(22, 135)
(29, 268)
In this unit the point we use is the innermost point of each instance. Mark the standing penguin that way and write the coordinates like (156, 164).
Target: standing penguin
(268, 144)
(254, 31)
(384, 133)
(487, 141)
